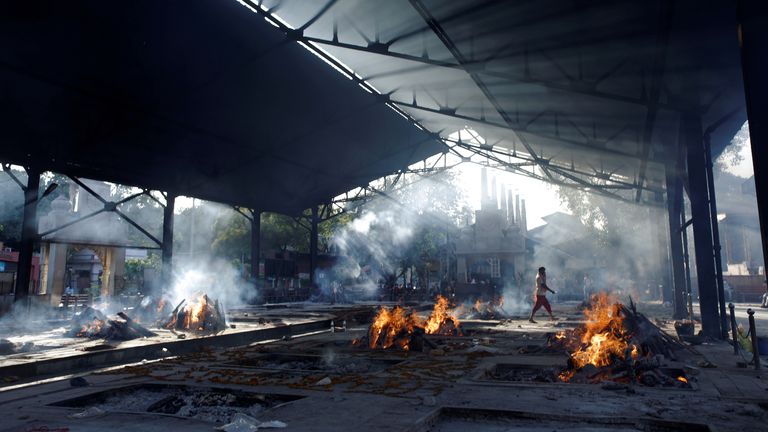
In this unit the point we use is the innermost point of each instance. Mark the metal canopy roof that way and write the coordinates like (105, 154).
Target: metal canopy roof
(199, 98)
(590, 92)
(208, 99)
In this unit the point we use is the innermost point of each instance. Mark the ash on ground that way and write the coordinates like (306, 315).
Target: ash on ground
(203, 404)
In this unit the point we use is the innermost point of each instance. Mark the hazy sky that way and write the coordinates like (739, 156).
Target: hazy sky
(540, 197)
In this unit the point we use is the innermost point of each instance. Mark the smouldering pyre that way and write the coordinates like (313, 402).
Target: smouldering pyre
(397, 327)
(201, 315)
(616, 343)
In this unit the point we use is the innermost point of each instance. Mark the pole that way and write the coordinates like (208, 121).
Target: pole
(255, 242)
(313, 246)
(752, 16)
(753, 334)
(167, 246)
(702, 226)
(715, 237)
(733, 329)
(28, 236)
(674, 206)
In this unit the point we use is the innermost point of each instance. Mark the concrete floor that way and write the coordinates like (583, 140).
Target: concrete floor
(449, 389)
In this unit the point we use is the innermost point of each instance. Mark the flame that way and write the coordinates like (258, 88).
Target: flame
(560, 335)
(195, 317)
(91, 329)
(682, 379)
(160, 305)
(388, 324)
(603, 336)
(478, 306)
(200, 315)
(439, 318)
(394, 327)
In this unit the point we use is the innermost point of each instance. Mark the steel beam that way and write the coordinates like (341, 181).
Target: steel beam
(660, 232)
(702, 226)
(313, 234)
(753, 18)
(255, 242)
(28, 237)
(715, 237)
(674, 208)
(167, 245)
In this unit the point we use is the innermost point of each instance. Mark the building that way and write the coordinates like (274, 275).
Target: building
(492, 250)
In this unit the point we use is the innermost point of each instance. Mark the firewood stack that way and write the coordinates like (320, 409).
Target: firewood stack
(646, 347)
(203, 316)
(93, 324)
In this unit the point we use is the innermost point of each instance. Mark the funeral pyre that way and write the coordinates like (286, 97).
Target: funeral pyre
(483, 310)
(397, 327)
(92, 323)
(201, 316)
(616, 343)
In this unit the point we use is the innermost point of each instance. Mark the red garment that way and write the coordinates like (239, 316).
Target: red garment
(541, 301)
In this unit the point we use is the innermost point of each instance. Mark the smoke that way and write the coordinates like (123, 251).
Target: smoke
(391, 235)
(214, 277)
(608, 245)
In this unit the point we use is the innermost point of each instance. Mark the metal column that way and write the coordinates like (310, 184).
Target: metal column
(167, 247)
(659, 232)
(674, 207)
(255, 242)
(753, 16)
(28, 236)
(702, 226)
(715, 238)
(313, 245)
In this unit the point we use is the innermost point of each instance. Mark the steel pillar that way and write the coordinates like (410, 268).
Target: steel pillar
(313, 233)
(674, 207)
(167, 246)
(660, 234)
(716, 238)
(702, 226)
(753, 18)
(255, 242)
(28, 236)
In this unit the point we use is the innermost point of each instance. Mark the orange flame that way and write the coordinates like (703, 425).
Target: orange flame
(439, 318)
(603, 336)
(682, 379)
(394, 326)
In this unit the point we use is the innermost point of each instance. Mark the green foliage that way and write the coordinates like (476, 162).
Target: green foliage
(231, 236)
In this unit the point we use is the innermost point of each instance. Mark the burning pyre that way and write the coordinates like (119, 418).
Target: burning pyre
(406, 330)
(616, 344)
(92, 323)
(485, 310)
(202, 316)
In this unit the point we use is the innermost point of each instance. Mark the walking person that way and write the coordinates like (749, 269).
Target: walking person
(540, 295)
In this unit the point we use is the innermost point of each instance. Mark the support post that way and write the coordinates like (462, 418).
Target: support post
(167, 247)
(734, 330)
(715, 238)
(752, 16)
(28, 236)
(702, 226)
(660, 234)
(255, 242)
(313, 245)
(674, 206)
(753, 335)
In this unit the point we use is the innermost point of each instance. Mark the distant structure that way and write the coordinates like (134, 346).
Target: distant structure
(86, 257)
(492, 250)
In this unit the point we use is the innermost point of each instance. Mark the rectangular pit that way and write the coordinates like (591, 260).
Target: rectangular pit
(309, 364)
(202, 403)
(456, 419)
(532, 374)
